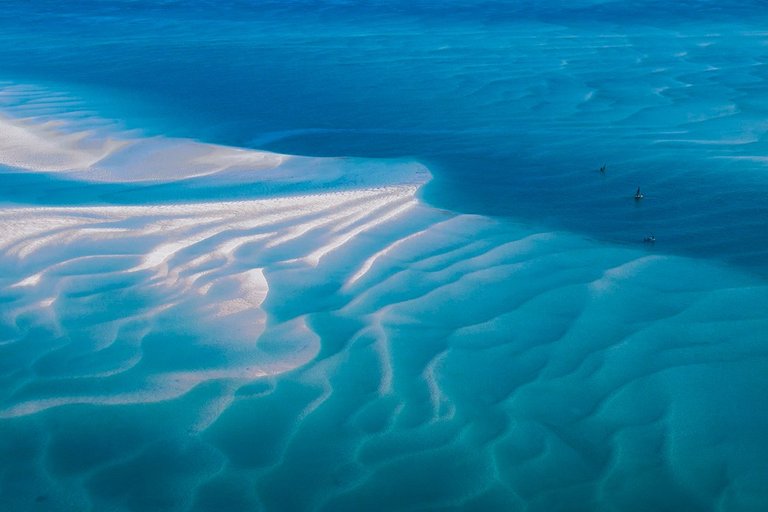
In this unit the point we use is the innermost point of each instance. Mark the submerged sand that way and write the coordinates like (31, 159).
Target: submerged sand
(378, 352)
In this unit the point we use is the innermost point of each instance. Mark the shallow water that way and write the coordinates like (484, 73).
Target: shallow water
(187, 326)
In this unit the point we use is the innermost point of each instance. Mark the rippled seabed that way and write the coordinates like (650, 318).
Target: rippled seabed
(193, 326)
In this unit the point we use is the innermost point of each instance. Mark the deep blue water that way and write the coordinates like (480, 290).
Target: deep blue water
(514, 105)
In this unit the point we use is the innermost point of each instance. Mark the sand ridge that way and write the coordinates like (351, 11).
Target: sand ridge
(469, 362)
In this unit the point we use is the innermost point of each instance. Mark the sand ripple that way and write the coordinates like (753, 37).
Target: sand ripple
(376, 352)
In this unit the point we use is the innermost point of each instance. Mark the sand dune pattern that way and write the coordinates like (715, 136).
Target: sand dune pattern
(376, 352)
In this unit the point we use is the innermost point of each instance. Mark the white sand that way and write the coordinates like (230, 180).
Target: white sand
(548, 362)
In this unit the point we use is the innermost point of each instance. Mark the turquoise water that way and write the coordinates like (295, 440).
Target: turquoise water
(499, 339)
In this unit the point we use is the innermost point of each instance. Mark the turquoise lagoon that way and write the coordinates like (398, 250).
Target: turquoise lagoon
(339, 256)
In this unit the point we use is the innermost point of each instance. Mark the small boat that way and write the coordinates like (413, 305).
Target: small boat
(649, 239)
(638, 194)
(602, 169)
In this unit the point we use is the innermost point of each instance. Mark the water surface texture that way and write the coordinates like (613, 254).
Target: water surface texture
(305, 255)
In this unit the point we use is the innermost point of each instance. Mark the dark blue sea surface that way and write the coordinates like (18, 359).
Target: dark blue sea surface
(514, 105)
(513, 344)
